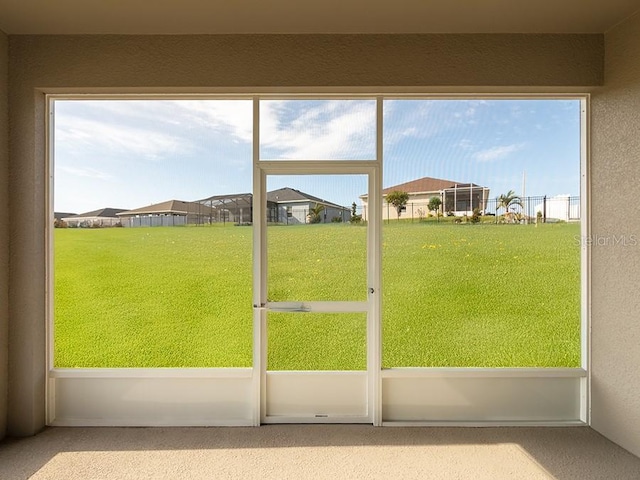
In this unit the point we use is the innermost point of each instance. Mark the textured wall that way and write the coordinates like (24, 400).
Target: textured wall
(310, 60)
(170, 63)
(4, 227)
(615, 171)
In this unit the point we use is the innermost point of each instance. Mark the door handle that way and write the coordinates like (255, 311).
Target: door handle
(291, 308)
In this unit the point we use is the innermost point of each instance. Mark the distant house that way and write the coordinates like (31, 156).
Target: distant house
(168, 214)
(293, 207)
(105, 217)
(456, 198)
(285, 205)
(237, 208)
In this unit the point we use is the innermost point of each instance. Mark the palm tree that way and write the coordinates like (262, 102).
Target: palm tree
(508, 200)
(315, 212)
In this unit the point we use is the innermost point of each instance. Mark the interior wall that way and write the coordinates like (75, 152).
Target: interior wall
(4, 228)
(258, 62)
(615, 171)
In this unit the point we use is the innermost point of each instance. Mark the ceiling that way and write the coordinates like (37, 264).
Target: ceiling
(311, 16)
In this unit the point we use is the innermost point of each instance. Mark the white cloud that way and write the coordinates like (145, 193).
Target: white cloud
(83, 135)
(326, 130)
(148, 127)
(498, 152)
(410, 132)
(231, 117)
(422, 119)
(410, 119)
(466, 144)
(86, 172)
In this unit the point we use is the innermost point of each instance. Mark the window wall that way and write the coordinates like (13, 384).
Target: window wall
(493, 282)
(471, 262)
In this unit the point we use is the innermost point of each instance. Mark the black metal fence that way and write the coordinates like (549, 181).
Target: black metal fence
(545, 208)
(541, 208)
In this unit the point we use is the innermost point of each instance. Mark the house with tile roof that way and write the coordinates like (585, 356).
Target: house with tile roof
(169, 214)
(456, 198)
(294, 206)
(104, 217)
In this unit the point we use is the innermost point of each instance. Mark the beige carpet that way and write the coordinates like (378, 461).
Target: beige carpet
(314, 451)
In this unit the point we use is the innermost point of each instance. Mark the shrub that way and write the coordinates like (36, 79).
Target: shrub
(475, 218)
(336, 220)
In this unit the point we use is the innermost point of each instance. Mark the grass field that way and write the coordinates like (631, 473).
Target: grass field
(454, 295)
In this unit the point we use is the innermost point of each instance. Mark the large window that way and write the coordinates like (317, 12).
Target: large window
(481, 258)
(360, 260)
(152, 255)
(480, 244)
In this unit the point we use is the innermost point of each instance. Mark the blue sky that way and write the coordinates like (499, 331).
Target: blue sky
(132, 153)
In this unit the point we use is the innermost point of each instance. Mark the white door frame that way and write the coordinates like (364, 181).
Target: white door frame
(372, 306)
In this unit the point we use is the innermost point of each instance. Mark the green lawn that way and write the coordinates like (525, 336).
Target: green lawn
(454, 295)
(489, 295)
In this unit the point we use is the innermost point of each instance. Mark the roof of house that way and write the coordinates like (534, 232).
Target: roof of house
(170, 207)
(103, 212)
(232, 197)
(286, 195)
(61, 215)
(465, 185)
(231, 201)
(426, 184)
(234, 203)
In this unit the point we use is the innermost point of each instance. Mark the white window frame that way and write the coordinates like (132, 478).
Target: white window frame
(233, 396)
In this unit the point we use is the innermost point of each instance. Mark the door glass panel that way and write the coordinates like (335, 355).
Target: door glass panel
(317, 129)
(317, 341)
(481, 262)
(317, 242)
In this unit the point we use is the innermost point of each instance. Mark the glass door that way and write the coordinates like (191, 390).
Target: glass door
(316, 335)
(317, 309)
